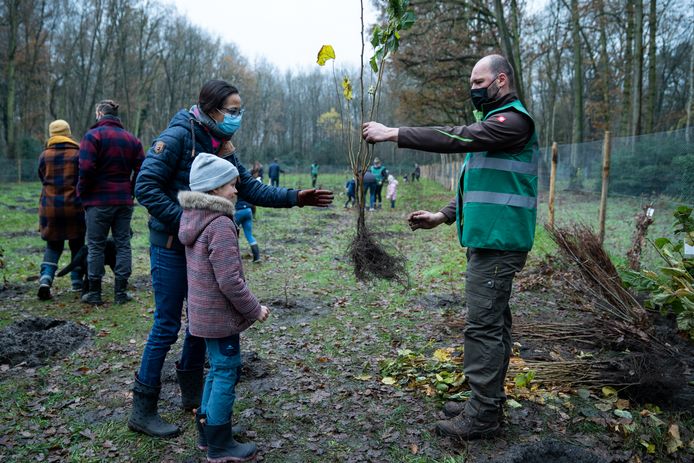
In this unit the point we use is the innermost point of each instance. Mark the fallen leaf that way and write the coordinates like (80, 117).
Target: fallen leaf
(673, 438)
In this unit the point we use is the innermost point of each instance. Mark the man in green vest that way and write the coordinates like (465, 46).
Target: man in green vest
(494, 211)
(314, 173)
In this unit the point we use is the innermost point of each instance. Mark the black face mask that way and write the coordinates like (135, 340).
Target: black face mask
(480, 96)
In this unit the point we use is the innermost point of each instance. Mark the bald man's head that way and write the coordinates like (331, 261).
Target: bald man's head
(489, 68)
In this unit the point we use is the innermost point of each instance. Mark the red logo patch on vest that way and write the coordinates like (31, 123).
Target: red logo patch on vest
(501, 118)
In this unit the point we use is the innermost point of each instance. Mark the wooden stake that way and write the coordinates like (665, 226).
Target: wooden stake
(606, 148)
(552, 182)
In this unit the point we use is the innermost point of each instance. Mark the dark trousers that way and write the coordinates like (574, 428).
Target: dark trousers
(377, 194)
(487, 345)
(314, 179)
(170, 285)
(101, 220)
(275, 181)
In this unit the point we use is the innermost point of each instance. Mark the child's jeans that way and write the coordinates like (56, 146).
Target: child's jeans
(392, 204)
(220, 385)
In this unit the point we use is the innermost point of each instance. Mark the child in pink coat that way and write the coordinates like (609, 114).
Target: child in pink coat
(220, 304)
(392, 191)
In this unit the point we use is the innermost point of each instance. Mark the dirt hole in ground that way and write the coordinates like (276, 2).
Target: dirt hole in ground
(35, 340)
(550, 451)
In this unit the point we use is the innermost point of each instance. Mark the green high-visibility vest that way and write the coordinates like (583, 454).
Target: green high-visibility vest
(497, 195)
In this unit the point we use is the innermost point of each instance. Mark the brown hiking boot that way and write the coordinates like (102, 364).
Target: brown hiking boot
(464, 427)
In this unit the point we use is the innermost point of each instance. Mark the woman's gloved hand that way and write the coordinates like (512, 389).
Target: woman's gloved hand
(313, 197)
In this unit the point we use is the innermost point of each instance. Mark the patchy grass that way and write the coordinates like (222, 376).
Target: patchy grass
(314, 394)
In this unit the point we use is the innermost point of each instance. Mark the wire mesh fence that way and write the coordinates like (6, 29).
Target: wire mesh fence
(644, 166)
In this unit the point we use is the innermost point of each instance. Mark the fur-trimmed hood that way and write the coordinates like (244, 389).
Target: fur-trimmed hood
(199, 209)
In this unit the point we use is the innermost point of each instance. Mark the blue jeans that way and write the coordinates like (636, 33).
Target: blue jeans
(51, 256)
(220, 385)
(170, 287)
(244, 218)
(370, 189)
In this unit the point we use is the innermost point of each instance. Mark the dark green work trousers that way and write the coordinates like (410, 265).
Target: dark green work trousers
(488, 343)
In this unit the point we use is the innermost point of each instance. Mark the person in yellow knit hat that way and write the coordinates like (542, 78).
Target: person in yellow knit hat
(61, 216)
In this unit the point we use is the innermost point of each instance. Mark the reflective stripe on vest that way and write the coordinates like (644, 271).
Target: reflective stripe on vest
(503, 199)
(480, 161)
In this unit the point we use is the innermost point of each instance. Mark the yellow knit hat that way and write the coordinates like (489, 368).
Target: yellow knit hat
(59, 127)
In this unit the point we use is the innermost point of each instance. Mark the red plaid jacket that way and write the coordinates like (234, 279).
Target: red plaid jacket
(110, 159)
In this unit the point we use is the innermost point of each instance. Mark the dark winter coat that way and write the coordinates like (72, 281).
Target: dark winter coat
(274, 170)
(61, 216)
(219, 301)
(110, 158)
(166, 171)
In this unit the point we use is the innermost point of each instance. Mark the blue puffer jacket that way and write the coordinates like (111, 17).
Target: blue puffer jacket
(166, 171)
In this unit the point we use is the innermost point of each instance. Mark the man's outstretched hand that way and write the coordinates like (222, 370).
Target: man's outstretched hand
(425, 219)
(375, 132)
(313, 197)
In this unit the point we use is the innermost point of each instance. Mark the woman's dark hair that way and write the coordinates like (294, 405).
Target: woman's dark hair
(213, 94)
(107, 107)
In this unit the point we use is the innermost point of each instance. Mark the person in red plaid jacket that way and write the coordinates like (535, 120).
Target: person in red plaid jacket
(110, 159)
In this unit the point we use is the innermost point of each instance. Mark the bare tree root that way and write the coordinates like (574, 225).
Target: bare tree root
(371, 260)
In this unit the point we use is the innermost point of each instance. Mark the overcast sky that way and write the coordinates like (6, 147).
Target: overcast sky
(288, 33)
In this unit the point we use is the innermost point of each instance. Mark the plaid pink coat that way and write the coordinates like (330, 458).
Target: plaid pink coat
(219, 301)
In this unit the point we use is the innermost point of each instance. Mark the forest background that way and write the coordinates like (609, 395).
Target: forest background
(582, 66)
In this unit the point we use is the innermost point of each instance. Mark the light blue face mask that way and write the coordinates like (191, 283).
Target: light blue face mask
(230, 124)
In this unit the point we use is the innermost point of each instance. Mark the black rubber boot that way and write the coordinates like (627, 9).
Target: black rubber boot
(191, 384)
(256, 252)
(120, 292)
(94, 295)
(223, 448)
(145, 416)
(200, 420)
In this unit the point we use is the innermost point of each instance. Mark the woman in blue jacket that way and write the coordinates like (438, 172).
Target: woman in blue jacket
(205, 127)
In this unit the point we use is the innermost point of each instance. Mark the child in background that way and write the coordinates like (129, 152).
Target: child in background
(350, 190)
(220, 304)
(392, 191)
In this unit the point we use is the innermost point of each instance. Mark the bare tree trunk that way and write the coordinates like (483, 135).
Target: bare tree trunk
(628, 66)
(650, 96)
(577, 127)
(10, 69)
(507, 46)
(604, 65)
(690, 101)
(637, 78)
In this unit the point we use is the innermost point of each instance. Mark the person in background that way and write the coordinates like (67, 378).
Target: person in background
(257, 171)
(110, 159)
(416, 172)
(244, 219)
(380, 173)
(495, 211)
(220, 304)
(314, 173)
(274, 172)
(350, 190)
(370, 185)
(61, 216)
(392, 191)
